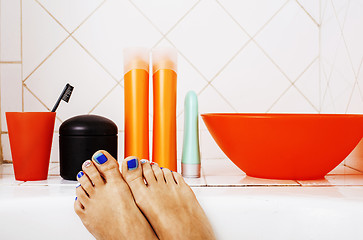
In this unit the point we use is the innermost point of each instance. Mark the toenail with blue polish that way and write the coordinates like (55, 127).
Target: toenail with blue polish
(75, 199)
(132, 164)
(161, 167)
(80, 174)
(78, 185)
(100, 158)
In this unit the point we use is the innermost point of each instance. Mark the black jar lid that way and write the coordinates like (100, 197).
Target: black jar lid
(88, 125)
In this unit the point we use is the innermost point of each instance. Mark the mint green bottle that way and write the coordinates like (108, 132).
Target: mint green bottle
(191, 155)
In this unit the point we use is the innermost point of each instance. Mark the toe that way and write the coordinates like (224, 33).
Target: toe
(82, 196)
(147, 172)
(158, 173)
(178, 178)
(168, 175)
(92, 172)
(78, 207)
(107, 166)
(85, 182)
(132, 173)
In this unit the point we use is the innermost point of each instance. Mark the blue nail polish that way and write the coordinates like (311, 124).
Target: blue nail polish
(78, 185)
(75, 199)
(80, 174)
(132, 164)
(100, 158)
(161, 167)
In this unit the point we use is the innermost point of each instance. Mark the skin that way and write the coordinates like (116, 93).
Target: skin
(167, 202)
(105, 203)
(138, 204)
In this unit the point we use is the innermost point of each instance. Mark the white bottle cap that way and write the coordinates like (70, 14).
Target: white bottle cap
(164, 58)
(190, 170)
(136, 58)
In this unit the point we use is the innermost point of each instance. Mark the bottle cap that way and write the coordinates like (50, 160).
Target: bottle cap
(136, 58)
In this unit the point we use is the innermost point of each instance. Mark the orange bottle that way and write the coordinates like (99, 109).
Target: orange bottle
(136, 83)
(164, 123)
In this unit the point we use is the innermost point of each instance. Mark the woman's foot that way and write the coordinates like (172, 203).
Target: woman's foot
(105, 203)
(166, 200)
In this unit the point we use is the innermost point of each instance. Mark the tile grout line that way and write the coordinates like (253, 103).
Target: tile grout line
(248, 42)
(322, 11)
(21, 56)
(76, 40)
(273, 16)
(278, 99)
(223, 97)
(170, 42)
(46, 58)
(56, 20)
(95, 59)
(156, 27)
(302, 74)
(353, 168)
(179, 21)
(233, 19)
(306, 98)
(10, 62)
(70, 34)
(143, 14)
(342, 36)
(107, 94)
(230, 60)
(34, 95)
(319, 39)
(194, 67)
(307, 13)
(1, 117)
(328, 78)
(90, 15)
(164, 37)
(341, 28)
(359, 89)
(274, 63)
(327, 89)
(346, 15)
(306, 69)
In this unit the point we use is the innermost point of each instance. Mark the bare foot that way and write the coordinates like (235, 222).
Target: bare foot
(105, 204)
(166, 200)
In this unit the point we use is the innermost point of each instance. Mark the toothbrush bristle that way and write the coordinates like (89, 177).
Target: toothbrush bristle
(68, 93)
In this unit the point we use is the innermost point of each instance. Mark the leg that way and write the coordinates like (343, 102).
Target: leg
(105, 203)
(166, 200)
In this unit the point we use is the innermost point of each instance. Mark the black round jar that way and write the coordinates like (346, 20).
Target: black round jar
(80, 137)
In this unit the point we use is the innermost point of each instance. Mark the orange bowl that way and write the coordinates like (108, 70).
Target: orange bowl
(285, 146)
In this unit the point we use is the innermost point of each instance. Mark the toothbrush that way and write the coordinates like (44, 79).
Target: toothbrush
(65, 95)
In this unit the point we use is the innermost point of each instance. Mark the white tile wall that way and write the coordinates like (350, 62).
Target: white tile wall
(10, 14)
(239, 56)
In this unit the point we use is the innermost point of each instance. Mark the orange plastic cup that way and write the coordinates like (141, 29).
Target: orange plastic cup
(30, 135)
